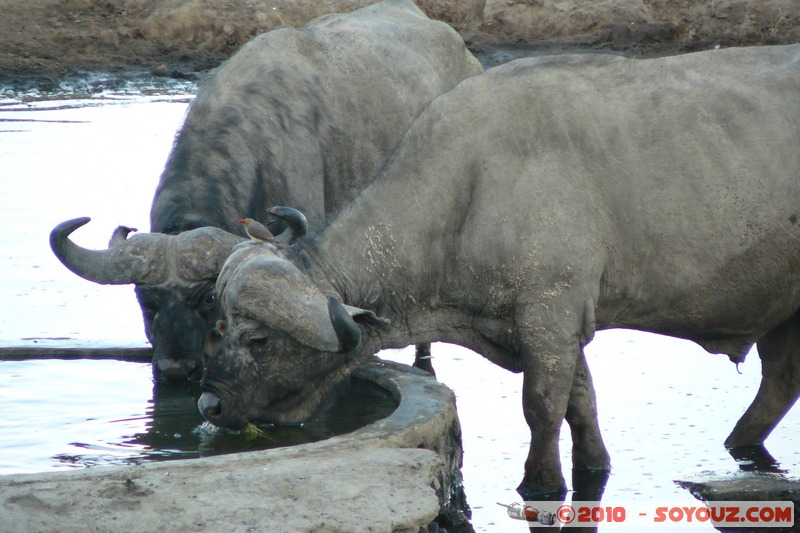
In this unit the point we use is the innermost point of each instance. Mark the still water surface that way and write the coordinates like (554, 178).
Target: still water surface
(666, 406)
(58, 418)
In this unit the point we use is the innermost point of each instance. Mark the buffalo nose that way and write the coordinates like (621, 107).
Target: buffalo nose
(172, 370)
(209, 405)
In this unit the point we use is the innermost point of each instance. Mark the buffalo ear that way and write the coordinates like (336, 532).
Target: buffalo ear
(343, 322)
(366, 317)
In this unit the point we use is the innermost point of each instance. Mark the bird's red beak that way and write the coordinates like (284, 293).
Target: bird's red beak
(242, 221)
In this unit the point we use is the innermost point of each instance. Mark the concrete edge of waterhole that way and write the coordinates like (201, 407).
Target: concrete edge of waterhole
(396, 474)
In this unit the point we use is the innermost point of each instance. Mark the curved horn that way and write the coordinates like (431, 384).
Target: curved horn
(134, 260)
(195, 255)
(344, 326)
(296, 223)
(260, 286)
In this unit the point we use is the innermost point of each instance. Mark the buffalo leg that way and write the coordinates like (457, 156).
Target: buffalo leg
(422, 358)
(779, 351)
(549, 358)
(588, 449)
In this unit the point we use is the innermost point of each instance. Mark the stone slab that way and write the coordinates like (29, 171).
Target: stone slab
(396, 474)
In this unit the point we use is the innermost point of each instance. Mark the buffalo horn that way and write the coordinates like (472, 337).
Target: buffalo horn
(133, 260)
(194, 255)
(270, 291)
(296, 223)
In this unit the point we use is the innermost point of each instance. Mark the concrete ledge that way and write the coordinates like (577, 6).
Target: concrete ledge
(396, 474)
(747, 486)
(752, 486)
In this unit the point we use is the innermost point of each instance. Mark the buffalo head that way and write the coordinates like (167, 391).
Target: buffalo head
(286, 343)
(174, 277)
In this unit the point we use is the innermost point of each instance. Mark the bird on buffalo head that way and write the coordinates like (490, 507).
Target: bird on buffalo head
(258, 231)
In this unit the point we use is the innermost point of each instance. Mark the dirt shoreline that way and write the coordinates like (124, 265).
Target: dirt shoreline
(45, 41)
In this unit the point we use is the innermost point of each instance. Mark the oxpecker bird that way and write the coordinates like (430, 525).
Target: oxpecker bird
(258, 231)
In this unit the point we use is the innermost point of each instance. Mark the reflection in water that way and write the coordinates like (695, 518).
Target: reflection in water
(758, 486)
(755, 459)
(86, 413)
(587, 486)
(176, 430)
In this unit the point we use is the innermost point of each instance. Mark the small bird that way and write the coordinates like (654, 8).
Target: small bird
(259, 232)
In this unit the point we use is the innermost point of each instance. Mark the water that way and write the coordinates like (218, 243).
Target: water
(65, 414)
(665, 406)
(99, 157)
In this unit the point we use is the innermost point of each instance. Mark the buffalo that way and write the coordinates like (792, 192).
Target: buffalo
(527, 208)
(301, 117)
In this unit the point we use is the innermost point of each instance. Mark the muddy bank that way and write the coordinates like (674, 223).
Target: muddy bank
(44, 40)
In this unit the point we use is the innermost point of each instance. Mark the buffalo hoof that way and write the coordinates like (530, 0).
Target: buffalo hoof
(534, 491)
(755, 459)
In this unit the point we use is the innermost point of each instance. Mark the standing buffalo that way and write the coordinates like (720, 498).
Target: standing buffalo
(297, 117)
(524, 210)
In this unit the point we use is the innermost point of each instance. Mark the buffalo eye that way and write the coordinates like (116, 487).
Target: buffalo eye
(211, 298)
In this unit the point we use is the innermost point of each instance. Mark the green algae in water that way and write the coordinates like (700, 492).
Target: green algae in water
(252, 431)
